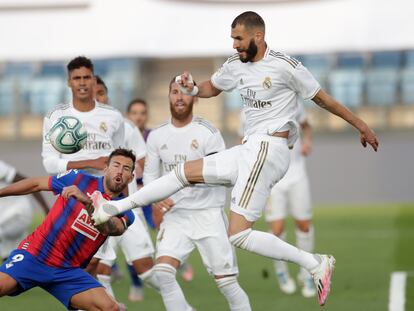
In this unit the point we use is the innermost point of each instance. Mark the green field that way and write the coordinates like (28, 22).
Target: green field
(369, 242)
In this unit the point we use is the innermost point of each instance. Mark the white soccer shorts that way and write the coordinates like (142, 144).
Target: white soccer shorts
(253, 168)
(290, 196)
(182, 230)
(135, 243)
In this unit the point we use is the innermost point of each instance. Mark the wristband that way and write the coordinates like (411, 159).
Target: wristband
(184, 90)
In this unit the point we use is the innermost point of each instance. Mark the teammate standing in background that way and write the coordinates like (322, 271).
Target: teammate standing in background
(194, 216)
(291, 195)
(52, 257)
(136, 242)
(137, 112)
(16, 213)
(104, 124)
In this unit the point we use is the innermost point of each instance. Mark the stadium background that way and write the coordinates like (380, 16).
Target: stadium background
(362, 52)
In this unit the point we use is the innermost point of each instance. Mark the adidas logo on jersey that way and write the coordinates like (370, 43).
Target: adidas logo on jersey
(164, 147)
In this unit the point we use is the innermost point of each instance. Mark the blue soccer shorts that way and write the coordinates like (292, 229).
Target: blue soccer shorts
(62, 283)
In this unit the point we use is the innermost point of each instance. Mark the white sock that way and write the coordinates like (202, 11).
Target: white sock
(150, 279)
(280, 265)
(105, 280)
(235, 295)
(171, 292)
(155, 191)
(271, 246)
(305, 241)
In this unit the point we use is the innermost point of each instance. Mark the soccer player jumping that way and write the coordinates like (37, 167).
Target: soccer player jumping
(269, 83)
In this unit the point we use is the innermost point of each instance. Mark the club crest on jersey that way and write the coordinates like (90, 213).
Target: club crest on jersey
(267, 83)
(83, 224)
(194, 144)
(103, 126)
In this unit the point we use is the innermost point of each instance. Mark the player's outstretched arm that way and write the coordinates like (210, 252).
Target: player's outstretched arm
(26, 186)
(327, 102)
(306, 147)
(204, 90)
(98, 164)
(38, 196)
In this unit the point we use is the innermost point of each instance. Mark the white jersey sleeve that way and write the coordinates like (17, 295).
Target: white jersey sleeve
(224, 78)
(303, 82)
(134, 140)
(153, 168)
(7, 172)
(52, 161)
(215, 143)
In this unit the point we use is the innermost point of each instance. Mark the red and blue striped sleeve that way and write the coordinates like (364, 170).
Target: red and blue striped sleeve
(58, 182)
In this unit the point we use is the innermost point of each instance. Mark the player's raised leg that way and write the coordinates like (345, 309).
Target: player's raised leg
(183, 175)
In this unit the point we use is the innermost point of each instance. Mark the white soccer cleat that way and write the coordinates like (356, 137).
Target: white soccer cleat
(101, 208)
(286, 283)
(322, 275)
(308, 287)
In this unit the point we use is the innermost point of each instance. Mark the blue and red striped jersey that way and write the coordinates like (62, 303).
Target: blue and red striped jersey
(67, 238)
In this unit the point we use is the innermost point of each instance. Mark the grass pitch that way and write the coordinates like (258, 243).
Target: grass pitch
(368, 242)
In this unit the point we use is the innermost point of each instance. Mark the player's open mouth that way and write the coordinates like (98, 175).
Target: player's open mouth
(118, 179)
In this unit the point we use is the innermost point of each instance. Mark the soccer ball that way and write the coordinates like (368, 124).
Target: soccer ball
(67, 135)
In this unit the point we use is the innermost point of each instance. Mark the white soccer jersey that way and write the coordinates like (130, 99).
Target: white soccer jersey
(134, 139)
(269, 89)
(104, 125)
(168, 145)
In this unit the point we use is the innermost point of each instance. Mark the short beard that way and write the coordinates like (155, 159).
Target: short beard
(251, 52)
(181, 116)
(113, 188)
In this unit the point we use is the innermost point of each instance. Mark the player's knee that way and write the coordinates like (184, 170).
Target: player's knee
(165, 273)
(303, 225)
(240, 239)
(143, 265)
(193, 171)
(277, 226)
(7, 285)
(112, 306)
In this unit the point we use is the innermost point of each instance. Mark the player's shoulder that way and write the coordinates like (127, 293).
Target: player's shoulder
(108, 109)
(204, 124)
(159, 133)
(76, 173)
(57, 110)
(159, 129)
(233, 60)
(282, 59)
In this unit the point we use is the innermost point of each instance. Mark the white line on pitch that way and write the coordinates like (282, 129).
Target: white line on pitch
(397, 291)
